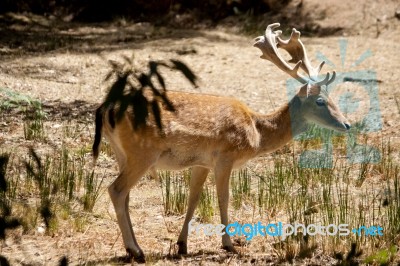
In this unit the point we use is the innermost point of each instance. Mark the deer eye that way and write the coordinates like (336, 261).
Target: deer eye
(320, 102)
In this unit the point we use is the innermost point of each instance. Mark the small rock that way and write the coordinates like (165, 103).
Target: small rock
(397, 14)
(41, 229)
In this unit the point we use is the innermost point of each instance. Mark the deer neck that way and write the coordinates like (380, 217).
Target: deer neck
(278, 128)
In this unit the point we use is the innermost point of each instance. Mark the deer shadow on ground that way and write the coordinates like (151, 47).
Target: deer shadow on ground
(201, 256)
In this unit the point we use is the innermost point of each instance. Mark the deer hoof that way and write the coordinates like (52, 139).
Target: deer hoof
(137, 256)
(182, 248)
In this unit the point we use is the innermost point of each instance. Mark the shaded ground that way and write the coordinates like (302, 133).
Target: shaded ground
(63, 65)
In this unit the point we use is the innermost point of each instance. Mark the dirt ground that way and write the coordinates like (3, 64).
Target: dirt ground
(64, 65)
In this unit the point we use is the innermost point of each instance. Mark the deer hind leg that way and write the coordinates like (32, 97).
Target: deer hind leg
(119, 194)
(222, 175)
(199, 175)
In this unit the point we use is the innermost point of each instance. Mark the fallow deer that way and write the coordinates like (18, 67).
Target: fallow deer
(214, 133)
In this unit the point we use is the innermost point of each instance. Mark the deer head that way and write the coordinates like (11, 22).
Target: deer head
(312, 102)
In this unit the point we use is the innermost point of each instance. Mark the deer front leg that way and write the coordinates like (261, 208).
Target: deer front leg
(199, 175)
(222, 175)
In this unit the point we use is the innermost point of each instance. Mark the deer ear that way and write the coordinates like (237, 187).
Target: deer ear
(304, 91)
(307, 90)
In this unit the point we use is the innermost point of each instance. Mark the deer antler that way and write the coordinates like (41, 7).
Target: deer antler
(271, 41)
(297, 51)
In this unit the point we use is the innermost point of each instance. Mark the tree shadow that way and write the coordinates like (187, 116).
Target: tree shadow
(28, 34)
(201, 256)
(79, 110)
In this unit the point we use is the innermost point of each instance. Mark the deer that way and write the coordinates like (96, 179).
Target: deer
(210, 132)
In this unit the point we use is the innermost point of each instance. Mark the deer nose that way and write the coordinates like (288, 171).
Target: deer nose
(348, 126)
